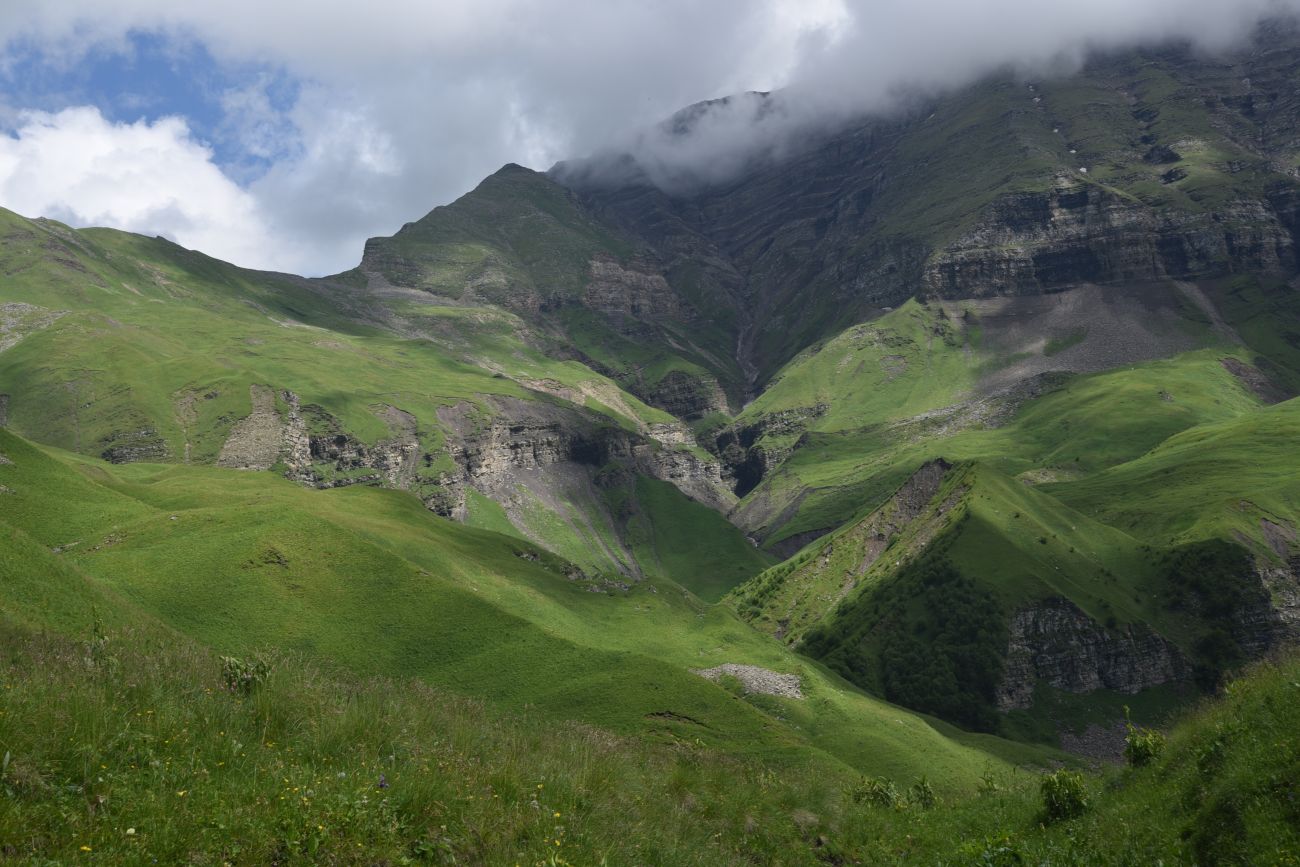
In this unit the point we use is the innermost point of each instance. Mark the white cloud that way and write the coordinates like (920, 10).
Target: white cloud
(152, 178)
(404, 104)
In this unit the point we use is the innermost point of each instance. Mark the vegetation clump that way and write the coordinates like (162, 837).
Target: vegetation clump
(242, 676)
(1142, 746)
(1065, 796)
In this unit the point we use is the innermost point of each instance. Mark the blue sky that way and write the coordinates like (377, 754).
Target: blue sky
(280, 134)
(148, 76)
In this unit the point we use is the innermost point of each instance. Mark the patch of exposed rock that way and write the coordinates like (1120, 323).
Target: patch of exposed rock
(687, 396)
(621, 292)
(256, 440)
(1055, 642)
(323, 454)
(494, 447)
(1255, 381)
(756, 680)
(748, 454)
(135, 445)
(17, 320)
(1104, 743)
(1034, 242)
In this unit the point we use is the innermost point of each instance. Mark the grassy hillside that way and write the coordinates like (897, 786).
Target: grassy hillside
(1219, 480)
(169, 763)
(846, 423)
(369, 580)
(133, 349)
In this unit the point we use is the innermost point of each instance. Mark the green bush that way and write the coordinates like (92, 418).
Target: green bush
(1064, 796)
(922, 794)
(878, 792)
(1142, 746)
(242, 676)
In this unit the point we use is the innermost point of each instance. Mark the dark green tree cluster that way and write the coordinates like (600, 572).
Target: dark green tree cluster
(931, 639)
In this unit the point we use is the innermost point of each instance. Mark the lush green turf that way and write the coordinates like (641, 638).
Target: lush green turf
(128, 746)
(690, 543)
(368, 579)
(1218, 480)
(882, 398)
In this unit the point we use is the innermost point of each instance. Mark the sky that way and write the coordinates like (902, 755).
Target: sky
(280, 134)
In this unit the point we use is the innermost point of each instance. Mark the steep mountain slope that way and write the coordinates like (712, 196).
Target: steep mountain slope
(1146, 165)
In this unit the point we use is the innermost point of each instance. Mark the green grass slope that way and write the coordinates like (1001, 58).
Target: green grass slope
(129, 746)
(369, 580)
(133, 349)
(1219, 480)
(842, 426)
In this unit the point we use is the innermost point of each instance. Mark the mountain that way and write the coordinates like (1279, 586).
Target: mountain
(933, 444)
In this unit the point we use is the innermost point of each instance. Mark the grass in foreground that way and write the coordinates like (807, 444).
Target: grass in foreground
(132, 747)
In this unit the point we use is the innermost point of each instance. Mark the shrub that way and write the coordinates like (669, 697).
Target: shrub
(242, 676)
(922, 794)
(1141, 746)
(1064, 796)
(876, 791)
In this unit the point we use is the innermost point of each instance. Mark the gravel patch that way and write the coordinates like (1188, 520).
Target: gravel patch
(755, 679)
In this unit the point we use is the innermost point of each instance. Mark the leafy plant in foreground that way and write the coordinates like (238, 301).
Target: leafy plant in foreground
(1141, 746)
(244, 675)
(1064, 796)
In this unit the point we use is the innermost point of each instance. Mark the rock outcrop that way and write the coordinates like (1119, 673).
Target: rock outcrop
(1075, 233)
(620, 292)
(1055, 642)
(756, 680)
(255, 442)
(686, 396)
(142, 444)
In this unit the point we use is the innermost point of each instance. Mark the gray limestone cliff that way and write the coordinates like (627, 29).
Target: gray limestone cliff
(1055, 642)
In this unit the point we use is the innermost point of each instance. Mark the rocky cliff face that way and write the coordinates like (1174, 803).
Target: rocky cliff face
(519, 438)
(686, 396)
(633, 292)
(1077, 233)
(1055, 642)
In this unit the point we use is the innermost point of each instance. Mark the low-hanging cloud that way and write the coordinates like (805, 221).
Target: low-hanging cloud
(404, 104)
(886, 53)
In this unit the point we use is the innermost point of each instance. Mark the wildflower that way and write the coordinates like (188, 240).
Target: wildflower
(130, 832)
(181, 793)
(557, 814)
(383, 782)
(85, 848)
